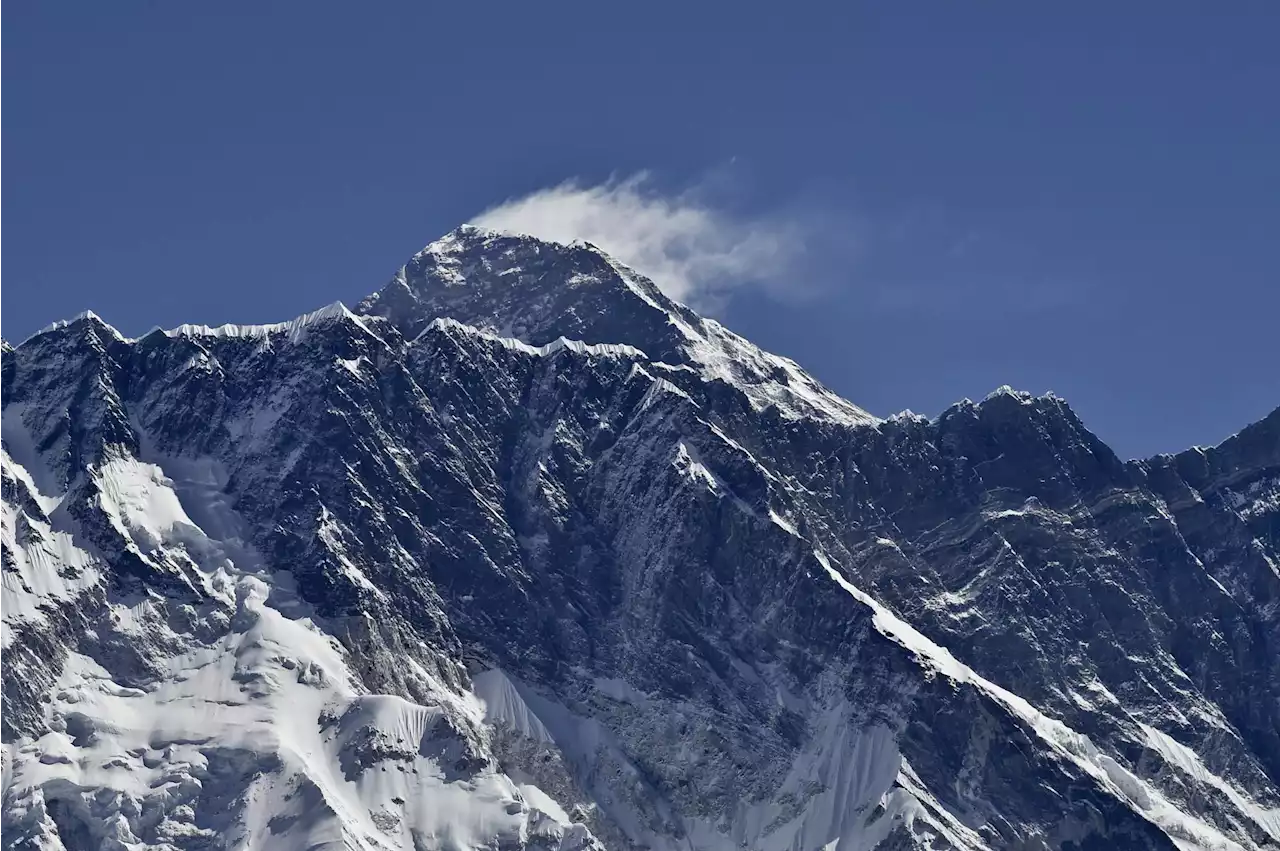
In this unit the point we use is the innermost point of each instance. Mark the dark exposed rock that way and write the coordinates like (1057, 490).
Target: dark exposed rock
(676, 570)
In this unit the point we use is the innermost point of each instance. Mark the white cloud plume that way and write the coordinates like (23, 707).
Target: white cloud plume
(697, 253)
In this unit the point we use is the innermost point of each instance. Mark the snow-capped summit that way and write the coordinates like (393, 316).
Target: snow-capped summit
(534, 290)
(521, 554)
(537, 291)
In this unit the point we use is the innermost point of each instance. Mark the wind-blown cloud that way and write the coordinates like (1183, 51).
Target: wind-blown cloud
(701, 248)
(696, 252)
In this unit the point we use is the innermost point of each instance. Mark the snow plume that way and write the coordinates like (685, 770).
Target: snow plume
(696, 251)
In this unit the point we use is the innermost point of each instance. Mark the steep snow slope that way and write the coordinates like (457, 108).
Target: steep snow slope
(248, 727)
(521, 554)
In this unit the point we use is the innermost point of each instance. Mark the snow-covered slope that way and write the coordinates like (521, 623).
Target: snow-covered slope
(522, 554)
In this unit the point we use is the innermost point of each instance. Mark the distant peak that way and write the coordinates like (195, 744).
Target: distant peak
(470, 237)
(1006, 390)
(468, 233)
(533, 289)
(537, 291)
(1006, 404)
(293, 329)
(87, 317)
(463, 237)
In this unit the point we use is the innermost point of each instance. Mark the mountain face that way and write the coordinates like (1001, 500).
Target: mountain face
(520, 554)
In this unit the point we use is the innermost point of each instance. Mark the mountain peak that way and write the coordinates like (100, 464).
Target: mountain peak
(532, 289)
(84, 319)
(537, 291)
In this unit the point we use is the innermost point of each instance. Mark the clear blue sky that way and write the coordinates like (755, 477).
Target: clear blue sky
(1080, 197)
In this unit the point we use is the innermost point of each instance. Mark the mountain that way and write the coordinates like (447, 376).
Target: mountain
(521, 554)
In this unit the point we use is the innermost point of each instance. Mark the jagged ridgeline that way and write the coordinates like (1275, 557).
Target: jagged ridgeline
(519, 553)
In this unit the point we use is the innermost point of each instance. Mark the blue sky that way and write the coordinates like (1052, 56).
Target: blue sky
(917, 201)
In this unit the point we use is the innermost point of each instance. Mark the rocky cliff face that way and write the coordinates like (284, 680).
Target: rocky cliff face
(521, 554)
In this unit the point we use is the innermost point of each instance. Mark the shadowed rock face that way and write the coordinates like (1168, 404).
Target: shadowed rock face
(522, 554)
